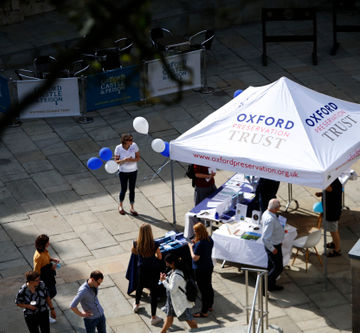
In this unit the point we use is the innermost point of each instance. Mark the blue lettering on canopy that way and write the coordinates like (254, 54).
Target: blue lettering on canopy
(263, 120)
(320, 114)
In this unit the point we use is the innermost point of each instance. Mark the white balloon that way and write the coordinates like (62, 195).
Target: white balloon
(141, 125)
(111, 167)
(158, 145)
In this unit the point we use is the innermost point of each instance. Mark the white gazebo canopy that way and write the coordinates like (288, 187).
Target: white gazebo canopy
(281, 131)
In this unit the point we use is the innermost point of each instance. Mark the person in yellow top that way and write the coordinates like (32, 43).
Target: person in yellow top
(45, 265)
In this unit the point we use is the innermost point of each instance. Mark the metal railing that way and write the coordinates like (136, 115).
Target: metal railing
(257, 307)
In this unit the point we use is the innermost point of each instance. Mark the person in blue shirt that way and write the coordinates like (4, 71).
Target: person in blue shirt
(272, 237)
(93, 313)
(203, 267)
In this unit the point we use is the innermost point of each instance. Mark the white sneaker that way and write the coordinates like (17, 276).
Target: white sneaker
(52, 320)
(155, 320)
(136, 307)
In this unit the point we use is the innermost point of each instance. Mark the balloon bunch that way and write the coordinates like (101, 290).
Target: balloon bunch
(105, 154)
(141, 126)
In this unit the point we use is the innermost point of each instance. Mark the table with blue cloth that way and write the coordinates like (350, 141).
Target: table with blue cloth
(175, 244)
(238, 183)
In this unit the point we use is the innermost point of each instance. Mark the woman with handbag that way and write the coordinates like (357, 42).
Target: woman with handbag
(177, 304)
(203, 267)
(148, 268)
(45, 265)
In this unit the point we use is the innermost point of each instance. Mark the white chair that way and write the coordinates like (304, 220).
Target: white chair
(306, 243)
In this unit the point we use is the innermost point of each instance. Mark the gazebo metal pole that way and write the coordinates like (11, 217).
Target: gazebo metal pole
(325, 242)
(173, 190)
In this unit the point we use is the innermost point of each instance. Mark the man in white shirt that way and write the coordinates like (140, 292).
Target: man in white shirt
(273, 235)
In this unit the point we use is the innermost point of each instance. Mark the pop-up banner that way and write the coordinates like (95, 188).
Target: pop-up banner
(61, 100)
(186, 66)
(118, 86)
(4, 95)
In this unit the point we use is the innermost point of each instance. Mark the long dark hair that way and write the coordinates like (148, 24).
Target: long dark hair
(179, 264)
(145, 242)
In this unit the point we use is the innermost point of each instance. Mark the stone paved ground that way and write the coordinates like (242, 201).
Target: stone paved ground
(45, 187)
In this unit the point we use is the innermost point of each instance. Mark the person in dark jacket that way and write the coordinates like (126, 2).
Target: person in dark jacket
(333, 203)
(204, 183)
(266, 190)
(203, 267)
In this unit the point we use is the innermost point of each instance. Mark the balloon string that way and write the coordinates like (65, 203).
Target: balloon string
(157, 172)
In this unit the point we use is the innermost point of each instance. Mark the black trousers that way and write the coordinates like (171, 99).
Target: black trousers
(148, 278)
(203, 280)
(125, 178)
(275, 265)
(38, 320)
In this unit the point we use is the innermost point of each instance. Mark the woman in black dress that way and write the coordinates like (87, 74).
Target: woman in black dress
(148, 268)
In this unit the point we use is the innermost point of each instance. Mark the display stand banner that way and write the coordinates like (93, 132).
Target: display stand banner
(4, 95)
(61, 100)
(186, 66)
(118, 86)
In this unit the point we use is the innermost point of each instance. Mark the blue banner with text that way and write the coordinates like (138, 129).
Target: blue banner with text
(115, 87)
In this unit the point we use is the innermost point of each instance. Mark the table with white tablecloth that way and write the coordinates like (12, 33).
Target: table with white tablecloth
(231, 247)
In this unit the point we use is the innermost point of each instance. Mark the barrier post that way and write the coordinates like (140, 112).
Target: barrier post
(82, 94)
(205, 89)
(13, 99)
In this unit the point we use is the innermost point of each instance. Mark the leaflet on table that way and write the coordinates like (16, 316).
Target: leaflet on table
(172, 244)
(225, 194)
(207, 213)
(243, 229)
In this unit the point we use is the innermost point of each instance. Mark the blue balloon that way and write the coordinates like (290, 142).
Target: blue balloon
(318, 208)
(166, 151)
(237, 92)
(105, 154)
(94, 163)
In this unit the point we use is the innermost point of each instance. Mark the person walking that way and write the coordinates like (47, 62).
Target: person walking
(272, 237)
(34, 298)
(204, 183)
(148, 268)
(127, 155)
(203, 267)
(333, 204)
(45, 265)
(87, 296)
(177, 304)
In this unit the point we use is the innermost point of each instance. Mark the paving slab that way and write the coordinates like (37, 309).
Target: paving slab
(22, 232)
(71, 249)
(11, 211)
(84, 184)
(67, 202)
(67, 163)
(50, 223)
(51, 181)
(95, 236)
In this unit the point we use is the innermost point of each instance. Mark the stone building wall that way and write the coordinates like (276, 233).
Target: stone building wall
(189, 14)
(14, 11)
